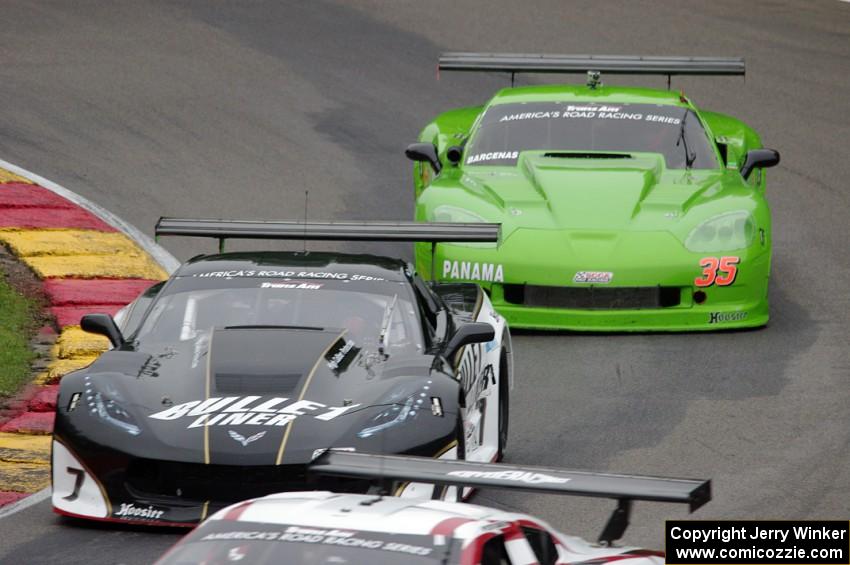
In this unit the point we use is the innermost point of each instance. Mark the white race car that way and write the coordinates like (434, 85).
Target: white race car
(318, 527)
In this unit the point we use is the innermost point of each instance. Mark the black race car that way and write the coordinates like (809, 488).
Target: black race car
(227, 380)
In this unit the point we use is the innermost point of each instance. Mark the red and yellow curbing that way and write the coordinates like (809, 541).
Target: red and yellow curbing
(86, 265)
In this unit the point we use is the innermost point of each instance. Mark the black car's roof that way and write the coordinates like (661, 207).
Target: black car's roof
(352, 264)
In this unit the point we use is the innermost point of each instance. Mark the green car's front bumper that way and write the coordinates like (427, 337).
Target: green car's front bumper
(652, 287)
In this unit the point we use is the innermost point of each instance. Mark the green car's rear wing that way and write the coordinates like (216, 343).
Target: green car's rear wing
(443, 472)
(612, 64)
(433, 232)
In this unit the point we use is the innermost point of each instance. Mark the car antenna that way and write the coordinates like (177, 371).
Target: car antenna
(306, 197)
(690, 157)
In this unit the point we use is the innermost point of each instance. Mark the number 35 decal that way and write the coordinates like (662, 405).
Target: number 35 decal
(720, 271)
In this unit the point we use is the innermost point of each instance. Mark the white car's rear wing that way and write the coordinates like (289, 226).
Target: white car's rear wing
(623, 488)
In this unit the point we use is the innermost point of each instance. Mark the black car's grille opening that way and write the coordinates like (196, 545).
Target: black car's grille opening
(151, 479)
(247, 383)
(593, 297)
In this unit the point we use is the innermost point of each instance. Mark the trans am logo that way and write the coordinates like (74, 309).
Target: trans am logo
(597, 277)
(249, 411)
(517, 476)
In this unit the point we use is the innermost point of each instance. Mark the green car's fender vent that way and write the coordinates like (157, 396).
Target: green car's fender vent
(593, 297)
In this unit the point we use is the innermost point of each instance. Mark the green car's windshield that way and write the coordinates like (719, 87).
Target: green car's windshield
(508, 129)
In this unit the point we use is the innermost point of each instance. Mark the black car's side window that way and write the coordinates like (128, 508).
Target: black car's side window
(433, 317)
(542, 545)
(139, 307)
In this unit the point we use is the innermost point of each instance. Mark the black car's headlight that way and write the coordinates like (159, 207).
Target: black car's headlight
(392, 415)
(112, 412)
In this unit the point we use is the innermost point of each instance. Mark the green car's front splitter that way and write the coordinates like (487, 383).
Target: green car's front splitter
(694, 318)
(618, 289)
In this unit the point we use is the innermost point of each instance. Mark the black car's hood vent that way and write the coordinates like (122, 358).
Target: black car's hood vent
(265, 360)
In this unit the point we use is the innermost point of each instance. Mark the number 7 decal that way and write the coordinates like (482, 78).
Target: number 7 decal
(721, 272)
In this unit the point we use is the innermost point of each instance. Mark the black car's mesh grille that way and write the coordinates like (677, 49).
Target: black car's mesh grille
(593, 297)
(148, 478)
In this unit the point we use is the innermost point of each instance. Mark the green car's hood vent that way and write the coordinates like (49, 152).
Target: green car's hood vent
(608, 192)
(574, 155)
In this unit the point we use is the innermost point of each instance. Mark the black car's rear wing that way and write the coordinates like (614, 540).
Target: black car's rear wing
(329, 231)
(612, 64)
(623, 488)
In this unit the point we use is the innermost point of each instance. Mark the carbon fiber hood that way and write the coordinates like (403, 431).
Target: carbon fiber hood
(257, 396)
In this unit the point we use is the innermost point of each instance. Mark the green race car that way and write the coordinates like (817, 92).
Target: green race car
(622, 209)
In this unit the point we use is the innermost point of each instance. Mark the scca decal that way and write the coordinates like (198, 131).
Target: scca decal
(720, 271)
(600, 277)
(242, 410)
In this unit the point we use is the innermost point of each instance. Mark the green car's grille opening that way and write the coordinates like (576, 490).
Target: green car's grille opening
(593, 298)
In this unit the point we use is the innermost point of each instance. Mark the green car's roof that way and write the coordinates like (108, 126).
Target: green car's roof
(582, 93)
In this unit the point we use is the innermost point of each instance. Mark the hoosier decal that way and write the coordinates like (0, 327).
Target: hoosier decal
(248, 411)
(465, 270)
(720, 317)
(133, 512)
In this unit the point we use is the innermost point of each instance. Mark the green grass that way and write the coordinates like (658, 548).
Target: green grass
(17, 319)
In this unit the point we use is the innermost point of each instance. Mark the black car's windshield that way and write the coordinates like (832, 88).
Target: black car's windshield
(223, 542)
(508, 129)
(377, 314)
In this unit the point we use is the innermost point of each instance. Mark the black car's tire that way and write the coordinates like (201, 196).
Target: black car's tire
(504, 403)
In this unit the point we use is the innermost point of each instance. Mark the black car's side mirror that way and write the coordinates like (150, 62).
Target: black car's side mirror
(425, 152)
(103, 324)
(759, 159)
(475, 332)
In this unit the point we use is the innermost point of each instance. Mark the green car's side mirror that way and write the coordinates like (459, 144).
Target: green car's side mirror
(759, 159)
(474, 332)
(425, 152)
(103, 324)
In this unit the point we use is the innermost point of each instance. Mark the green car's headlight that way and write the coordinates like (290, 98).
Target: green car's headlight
(449, 213)
(725, 232)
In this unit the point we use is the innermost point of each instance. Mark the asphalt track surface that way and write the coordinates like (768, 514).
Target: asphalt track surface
(235, 109)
